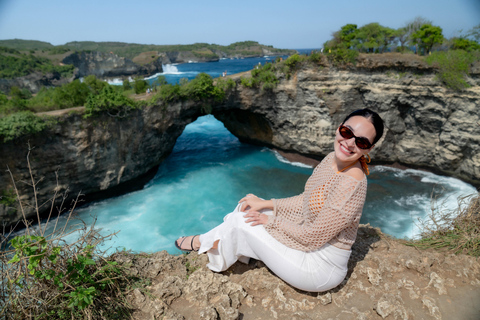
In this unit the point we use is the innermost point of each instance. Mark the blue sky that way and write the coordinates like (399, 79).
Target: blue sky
(283, 24)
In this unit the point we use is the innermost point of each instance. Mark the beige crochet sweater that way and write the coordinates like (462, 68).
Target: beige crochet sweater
(328, 211)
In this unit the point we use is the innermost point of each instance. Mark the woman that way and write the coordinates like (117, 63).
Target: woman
(305, 240)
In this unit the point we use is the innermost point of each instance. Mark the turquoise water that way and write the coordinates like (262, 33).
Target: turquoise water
(209, 170)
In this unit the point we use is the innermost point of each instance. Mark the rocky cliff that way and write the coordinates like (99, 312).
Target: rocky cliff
(385, 280)
(98, 157)
(108, 65)
(35, 81)
(427, 126)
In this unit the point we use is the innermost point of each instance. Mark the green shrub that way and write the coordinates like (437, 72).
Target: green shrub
(8, 197)
(292, 61)
(453, 66)
(94, 84)
(247, 82)
(168, 93)
(16, 104)
(140, 85)
(126, 85)
(262, 77)
(69, 95)
(225, 85)
(17, 124)
(109, 101)
(315, 57)
(342, 57)
(202, 89)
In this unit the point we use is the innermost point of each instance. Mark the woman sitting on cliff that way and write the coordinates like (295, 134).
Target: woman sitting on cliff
(305, 240)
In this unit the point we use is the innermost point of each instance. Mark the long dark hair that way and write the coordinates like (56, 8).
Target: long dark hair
(374, 119)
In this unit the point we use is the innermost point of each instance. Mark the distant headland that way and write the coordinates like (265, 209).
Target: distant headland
(33, 64)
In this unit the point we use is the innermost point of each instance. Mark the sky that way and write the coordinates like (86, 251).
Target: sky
(283, 24)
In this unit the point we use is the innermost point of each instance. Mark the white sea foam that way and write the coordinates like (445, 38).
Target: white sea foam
(170, 69)
(156, 75)
(419, 207)
(116, 81)
(297, 164)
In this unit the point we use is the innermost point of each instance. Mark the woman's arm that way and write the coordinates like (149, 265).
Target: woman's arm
(324, 222)
(253, 203)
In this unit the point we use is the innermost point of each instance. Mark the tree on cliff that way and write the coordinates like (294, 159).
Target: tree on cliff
(427, 36)
(348, 33)
(374, 37)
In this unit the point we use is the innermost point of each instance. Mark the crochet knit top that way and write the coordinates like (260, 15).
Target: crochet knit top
(328, 211)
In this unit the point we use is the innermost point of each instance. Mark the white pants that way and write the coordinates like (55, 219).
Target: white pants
(314, 271)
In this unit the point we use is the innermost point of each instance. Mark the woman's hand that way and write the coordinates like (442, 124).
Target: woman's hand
(256, 218)
(252, 203)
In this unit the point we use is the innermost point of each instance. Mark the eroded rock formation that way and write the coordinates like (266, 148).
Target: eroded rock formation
(109, 65)
(97, 157)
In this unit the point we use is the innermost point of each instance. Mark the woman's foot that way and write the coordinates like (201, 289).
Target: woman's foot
(190, 243)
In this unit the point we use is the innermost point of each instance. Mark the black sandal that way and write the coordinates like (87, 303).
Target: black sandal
(191, 244)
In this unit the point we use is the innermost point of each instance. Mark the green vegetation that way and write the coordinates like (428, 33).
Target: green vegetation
(108, 100)
(453, 66)
(457, 231)
(453, 58)
(465, 44)
(262, 77)
(43, 277)
(131, 50)
(69, 95)
(58, 50)
(140, 85)
(200, 89)
(18, 65)
(342, 57)
(427, 36)
(205, 54)
(375, 38)
(22, 123)
(8, 197)
(26, 44)
(225, 85)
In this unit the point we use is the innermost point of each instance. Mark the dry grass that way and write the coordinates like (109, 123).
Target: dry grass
(456, 231)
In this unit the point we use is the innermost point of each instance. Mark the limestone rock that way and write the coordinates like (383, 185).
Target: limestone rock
(381, 284)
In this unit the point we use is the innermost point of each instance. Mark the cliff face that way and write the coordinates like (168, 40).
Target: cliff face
(34, 81)
(427, 125)
(105, 65)
(98, 157)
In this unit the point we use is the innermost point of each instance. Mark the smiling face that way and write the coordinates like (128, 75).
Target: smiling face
(346, 151)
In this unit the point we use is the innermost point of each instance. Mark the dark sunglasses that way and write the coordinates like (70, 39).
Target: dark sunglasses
(361, 142)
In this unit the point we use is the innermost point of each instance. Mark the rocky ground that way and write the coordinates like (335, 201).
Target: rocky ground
(386, 280)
